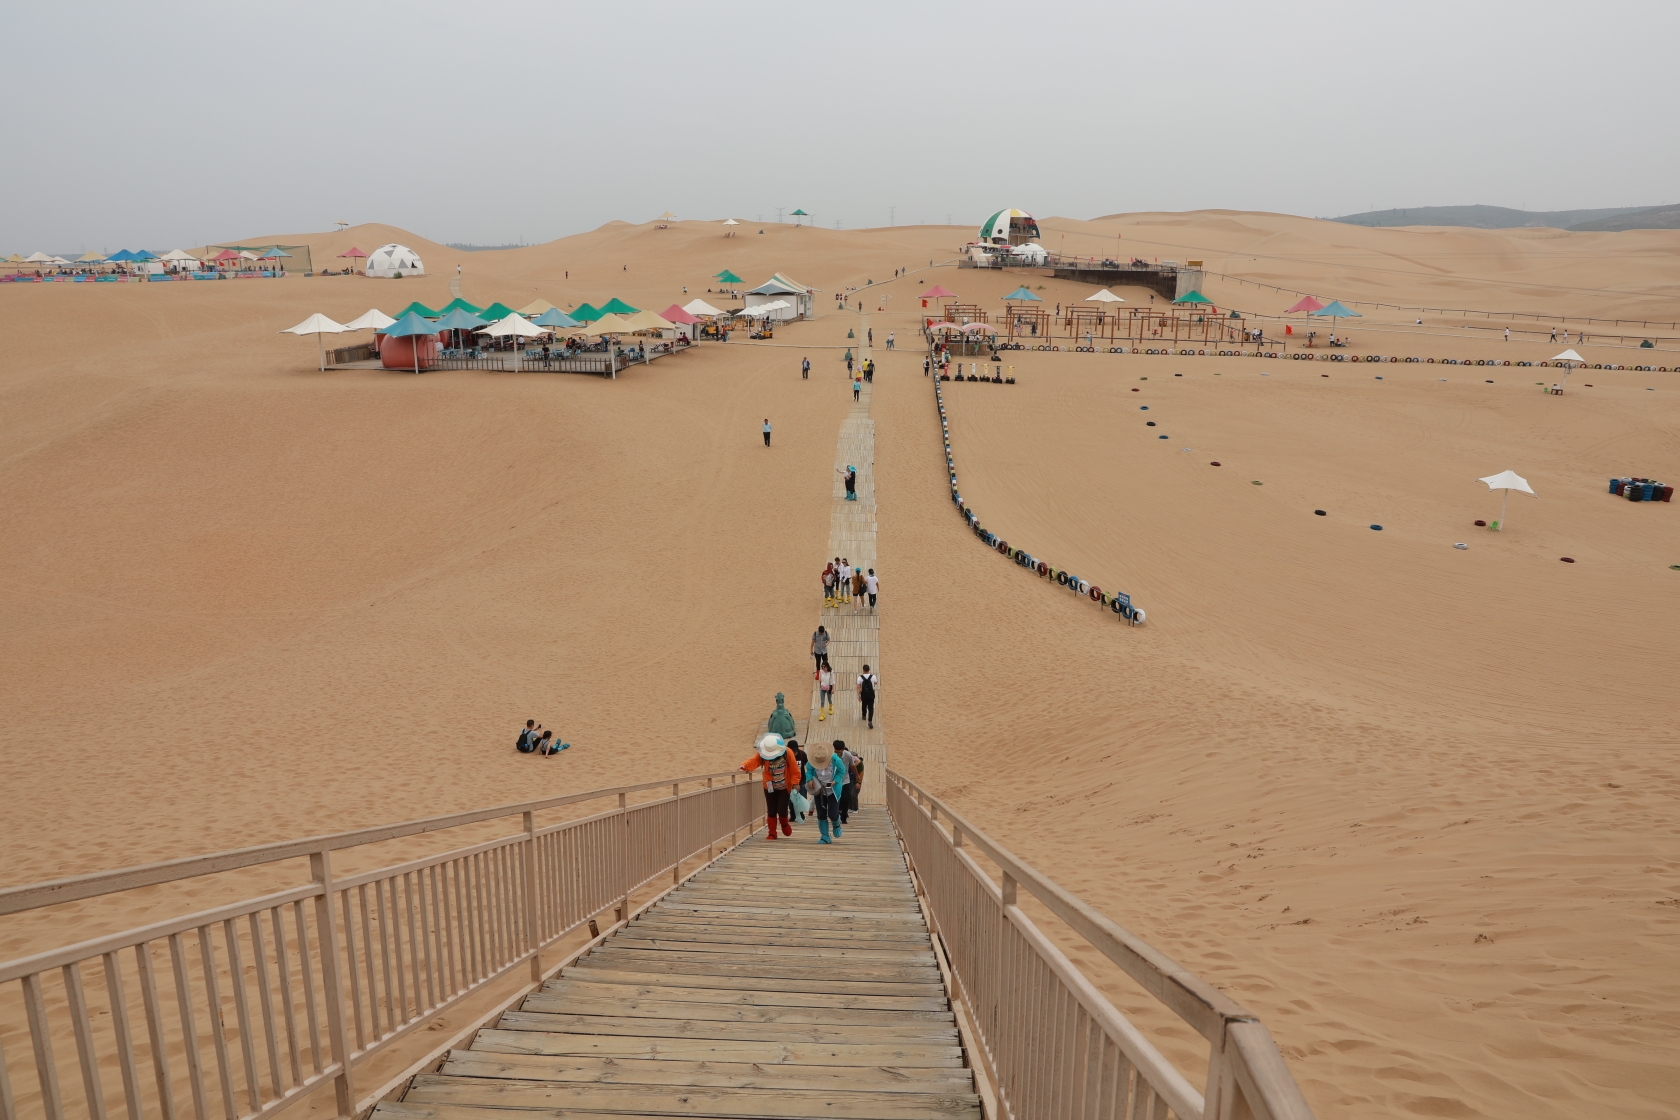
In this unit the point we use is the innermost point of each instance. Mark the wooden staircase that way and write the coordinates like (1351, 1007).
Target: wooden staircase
(790, 979)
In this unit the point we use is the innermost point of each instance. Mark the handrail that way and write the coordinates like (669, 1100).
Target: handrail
(14, 900)
(279, 995)
(1004, 966)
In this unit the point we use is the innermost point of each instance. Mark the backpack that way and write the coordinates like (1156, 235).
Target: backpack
(523, 744)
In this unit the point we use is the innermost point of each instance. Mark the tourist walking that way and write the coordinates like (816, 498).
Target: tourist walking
(871, 333)
(890, 336)
(845, 584)
(872, 584)
(854, 779)
(927, 366)
(825, 783)
(825, 690)
(829, 577)
(819, 646)
(805, 369)
(857, 589)
(767, 431)
(868, 684)
(779, 777)
(857, 385)
(849, 475)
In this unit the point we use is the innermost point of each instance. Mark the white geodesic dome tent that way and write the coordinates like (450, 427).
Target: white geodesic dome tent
(392, 259)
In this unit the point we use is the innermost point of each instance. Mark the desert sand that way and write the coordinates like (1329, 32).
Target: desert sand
(1413, 805)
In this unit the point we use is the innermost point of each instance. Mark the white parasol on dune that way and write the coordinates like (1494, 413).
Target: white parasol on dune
(1506, 481)
(1569, 358)
(371, 319)
(1104, 296)
(514, 324)
(318, 325)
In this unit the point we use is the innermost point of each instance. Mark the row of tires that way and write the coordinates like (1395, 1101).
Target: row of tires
(1302, 356)
(1118, 602)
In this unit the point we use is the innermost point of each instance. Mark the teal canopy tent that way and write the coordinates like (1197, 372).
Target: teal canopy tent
(1022, 293)
(461, 304)
(1335, 310)
(584, 313)
(458, 320)
(727, 277)
(1193, 297)
(408, 326)
(415, 308)
(616, 306)
(554, 317)
(496, 312)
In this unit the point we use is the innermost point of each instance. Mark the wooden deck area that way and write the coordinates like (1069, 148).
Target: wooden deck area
(786, 980)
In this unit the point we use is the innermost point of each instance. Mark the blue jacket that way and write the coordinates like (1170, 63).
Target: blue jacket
(838, 768)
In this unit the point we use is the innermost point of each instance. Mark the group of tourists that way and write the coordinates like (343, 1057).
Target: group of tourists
(797, 783)
(535, 739)
(843, 583)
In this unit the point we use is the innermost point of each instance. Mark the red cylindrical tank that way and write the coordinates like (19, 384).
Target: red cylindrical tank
(400, 353)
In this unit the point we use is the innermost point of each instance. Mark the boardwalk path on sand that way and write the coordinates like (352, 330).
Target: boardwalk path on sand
(788, 979)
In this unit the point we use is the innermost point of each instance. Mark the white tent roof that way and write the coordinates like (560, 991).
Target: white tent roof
(37, 258)
(765, 308)
(731, 222)
(1507, 480)
(513, 324)
(1105, 296)
(700, 307)
(372, 319)
(177, 255)
(1569, 356)
(317, 324)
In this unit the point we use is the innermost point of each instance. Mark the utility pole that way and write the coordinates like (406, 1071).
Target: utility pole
(779, 210)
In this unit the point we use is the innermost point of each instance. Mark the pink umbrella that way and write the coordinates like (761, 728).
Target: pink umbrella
(354, 252)
(1305, 303)
(675, 314)
(937, 292)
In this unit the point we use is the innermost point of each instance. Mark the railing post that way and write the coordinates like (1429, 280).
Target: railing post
(709, 837)
(624, 857)
(326, 934)
(676, 860)
(533, 936)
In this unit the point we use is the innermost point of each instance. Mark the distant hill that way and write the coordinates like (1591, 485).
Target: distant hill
(1657, 217)
(484, 248)
(1495, 217)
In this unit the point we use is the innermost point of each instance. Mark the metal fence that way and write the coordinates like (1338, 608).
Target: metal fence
(240, 1011)
(1051, 1044)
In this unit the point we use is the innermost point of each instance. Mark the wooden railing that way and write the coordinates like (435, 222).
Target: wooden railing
(247, 1008)
(1051, 1045)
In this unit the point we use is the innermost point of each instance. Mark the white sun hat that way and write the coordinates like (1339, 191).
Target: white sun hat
(771, 747)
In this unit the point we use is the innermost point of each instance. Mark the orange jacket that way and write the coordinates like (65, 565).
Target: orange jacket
(795, 772)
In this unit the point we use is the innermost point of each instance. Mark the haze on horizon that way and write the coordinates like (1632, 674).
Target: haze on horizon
(179, 123)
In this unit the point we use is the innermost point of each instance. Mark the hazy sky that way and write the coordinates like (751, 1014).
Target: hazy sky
(164, 124)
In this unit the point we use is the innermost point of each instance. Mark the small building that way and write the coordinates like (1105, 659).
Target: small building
(1009, 227)
(394, 260)
(791, 292)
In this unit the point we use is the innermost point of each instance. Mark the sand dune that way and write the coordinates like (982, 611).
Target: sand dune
(1413, 805)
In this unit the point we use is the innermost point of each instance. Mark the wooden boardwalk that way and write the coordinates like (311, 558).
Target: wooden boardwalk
(854, 636)
(789, 979)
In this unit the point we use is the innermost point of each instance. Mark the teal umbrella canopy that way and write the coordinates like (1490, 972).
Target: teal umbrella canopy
(1335, 310)
(273, 253)
(554, 317)
(1022, 293)
(458, 320)
(410, 324)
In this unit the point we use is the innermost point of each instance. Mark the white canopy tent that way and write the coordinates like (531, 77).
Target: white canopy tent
(318, 325)
(764, 309)
(701, 307)
(1569, 359)
(514, 324)
(371, 319)
(1506, 481)
(1104, 296)
(37, 258)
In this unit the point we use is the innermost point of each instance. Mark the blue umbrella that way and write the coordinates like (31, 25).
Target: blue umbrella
(408, 326)
(554, 317)
(1335, 310)
(1022, 293)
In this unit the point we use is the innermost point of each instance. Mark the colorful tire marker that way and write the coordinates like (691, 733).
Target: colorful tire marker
(1118, 602)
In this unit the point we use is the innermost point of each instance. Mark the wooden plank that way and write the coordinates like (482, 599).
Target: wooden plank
(655, 1007)
(628, 1026)
(731, 965)
(743, 998)
(656, 943)
(670, 1071)
(788, 985)
(486, 1099)
(892, 1052)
